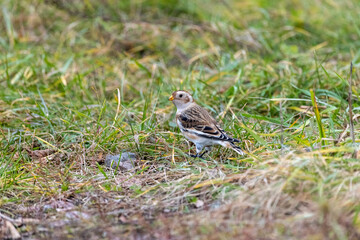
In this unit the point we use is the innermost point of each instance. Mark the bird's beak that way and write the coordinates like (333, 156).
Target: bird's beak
(171, 98)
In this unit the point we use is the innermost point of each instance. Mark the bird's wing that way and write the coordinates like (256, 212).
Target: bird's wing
(198, 121)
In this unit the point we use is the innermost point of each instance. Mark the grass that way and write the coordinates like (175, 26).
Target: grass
(84, 79)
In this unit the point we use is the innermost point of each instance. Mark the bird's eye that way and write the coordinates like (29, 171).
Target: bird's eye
(180, 95)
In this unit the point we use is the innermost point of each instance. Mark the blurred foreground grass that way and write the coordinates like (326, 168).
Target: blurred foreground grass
(82, 79)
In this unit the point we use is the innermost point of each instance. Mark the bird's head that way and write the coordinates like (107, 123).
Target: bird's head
(181, 99)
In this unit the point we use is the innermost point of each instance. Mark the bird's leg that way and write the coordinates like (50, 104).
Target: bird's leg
(207, 149)
(197, 155)
(200, 156)
(199, 149)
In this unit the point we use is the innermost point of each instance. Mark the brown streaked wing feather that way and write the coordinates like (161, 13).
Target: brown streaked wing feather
(199, 119)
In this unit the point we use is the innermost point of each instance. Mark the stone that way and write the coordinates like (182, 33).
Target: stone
(127, 160)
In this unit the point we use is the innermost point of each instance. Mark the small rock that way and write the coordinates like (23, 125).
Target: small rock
(127, 160)
(47, 208)
(199, 203)
(76, 215)
(216, 204)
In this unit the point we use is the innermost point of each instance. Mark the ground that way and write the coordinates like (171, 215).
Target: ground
(85, 79)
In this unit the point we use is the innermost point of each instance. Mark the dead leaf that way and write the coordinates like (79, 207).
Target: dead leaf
(8, 230)
(38, 154)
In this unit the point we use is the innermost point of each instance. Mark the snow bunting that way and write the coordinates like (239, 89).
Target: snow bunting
(197, 125)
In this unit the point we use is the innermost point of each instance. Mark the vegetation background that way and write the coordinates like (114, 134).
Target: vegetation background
(81, 79)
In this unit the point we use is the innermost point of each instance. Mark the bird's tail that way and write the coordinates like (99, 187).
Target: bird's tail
(236, 149)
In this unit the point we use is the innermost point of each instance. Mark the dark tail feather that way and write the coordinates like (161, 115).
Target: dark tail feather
(237, 149)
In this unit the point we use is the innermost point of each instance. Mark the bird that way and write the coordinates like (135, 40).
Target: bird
(198, 126)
